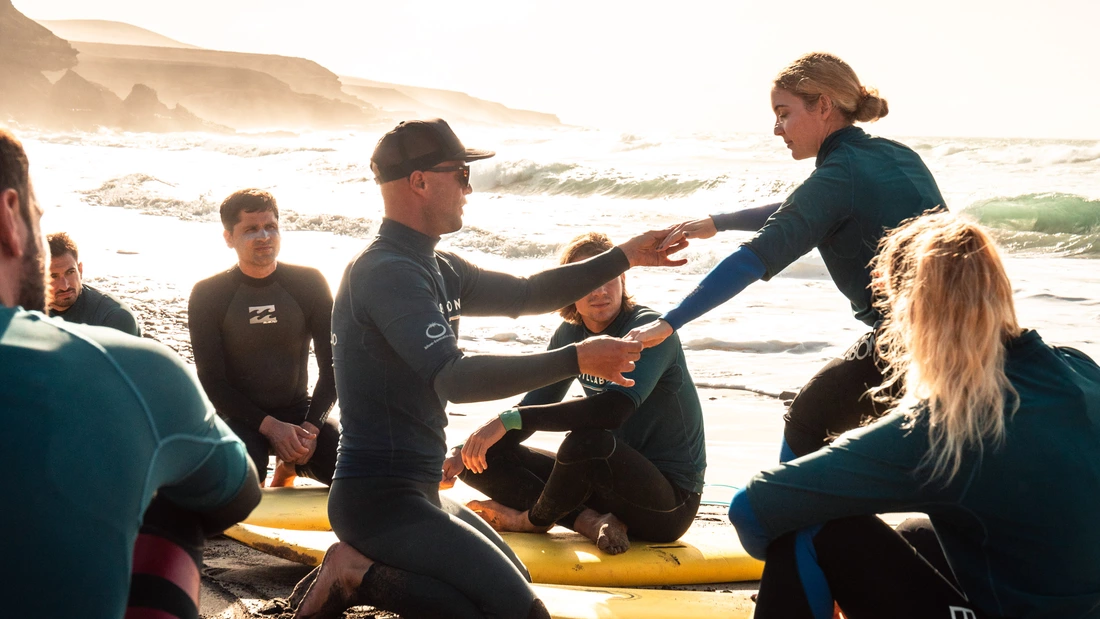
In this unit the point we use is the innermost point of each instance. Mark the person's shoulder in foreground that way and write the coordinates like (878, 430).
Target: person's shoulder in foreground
(105, 421)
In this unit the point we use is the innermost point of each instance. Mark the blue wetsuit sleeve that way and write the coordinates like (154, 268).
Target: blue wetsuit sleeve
(730, 277)
(748, 219)
(754, 538)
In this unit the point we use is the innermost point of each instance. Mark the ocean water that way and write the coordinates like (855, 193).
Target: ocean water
(157, 195)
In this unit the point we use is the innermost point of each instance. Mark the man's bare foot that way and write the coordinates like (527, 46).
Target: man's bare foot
(283, 475)
(503, 518)
(607, 531)
(335, 585)
(294, 600)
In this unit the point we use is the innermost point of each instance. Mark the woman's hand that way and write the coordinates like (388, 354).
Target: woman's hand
(697, 229)
(650, 334)
(473, 452)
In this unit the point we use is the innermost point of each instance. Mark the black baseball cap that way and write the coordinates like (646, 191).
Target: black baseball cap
(418, 145)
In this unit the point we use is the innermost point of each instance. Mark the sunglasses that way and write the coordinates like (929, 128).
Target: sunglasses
(463, 175)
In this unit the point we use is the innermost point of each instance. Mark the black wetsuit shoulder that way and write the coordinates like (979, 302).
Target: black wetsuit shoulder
(98, 308)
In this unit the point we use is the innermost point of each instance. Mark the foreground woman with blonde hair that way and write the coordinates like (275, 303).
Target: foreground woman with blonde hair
(997, 439)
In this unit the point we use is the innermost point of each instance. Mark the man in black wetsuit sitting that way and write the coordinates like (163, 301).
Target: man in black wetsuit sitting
(251, 327)
(75, 301)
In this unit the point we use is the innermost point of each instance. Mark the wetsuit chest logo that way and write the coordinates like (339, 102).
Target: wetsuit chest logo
(262, 315)
(958, 612)
(594, 382)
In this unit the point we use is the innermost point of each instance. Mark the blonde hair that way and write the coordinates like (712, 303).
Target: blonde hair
(588, 245)
(820, 73)
(949, 311)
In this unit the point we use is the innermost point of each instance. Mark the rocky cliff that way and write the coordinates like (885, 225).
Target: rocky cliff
(27, 49)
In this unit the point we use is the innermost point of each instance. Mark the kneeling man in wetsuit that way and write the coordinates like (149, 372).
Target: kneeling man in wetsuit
(395, 325)
(251, 328)
(75, 301)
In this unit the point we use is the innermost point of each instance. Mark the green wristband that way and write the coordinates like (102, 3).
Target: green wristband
(511, 419)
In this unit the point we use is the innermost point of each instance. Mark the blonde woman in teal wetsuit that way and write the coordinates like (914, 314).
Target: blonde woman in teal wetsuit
(997, 440)
(861, 187)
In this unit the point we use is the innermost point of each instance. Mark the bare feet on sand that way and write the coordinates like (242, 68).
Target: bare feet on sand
(283, 475)
(503, 518)
(606, 530)
(335, 584)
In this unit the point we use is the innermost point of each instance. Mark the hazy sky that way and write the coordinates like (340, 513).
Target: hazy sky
(1000, 68)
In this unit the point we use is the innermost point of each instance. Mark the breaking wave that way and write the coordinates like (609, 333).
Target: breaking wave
(146, 194)
(1049, 223)
(555, 179)
(476, 239)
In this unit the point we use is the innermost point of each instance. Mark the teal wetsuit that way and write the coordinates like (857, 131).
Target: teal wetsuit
(636, 452)
(861, 188)
(667, 427)
(95, 424)
(1018, 524)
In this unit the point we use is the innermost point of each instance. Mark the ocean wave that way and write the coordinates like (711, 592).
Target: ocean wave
(476, 239)
(254, 150)
(531, 178)
(1054, 223)
(142, 192)
(145, 193)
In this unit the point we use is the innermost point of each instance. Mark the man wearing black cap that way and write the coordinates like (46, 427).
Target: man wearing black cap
(397, 362)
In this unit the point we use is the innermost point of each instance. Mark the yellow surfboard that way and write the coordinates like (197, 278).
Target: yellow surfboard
(563, 602)
(702, 555)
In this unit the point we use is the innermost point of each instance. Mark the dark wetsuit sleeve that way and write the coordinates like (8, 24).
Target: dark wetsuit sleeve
(406, 311)
(807, 217)
(871, 470)
(548, 394)
(748, 219)
(478, 378)
(320, 326)
(491, 293)
(554, 392)
(119, 318)
(205, 311)
(606, 411)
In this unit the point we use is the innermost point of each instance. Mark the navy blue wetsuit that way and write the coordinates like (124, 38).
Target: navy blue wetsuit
(395, 346)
